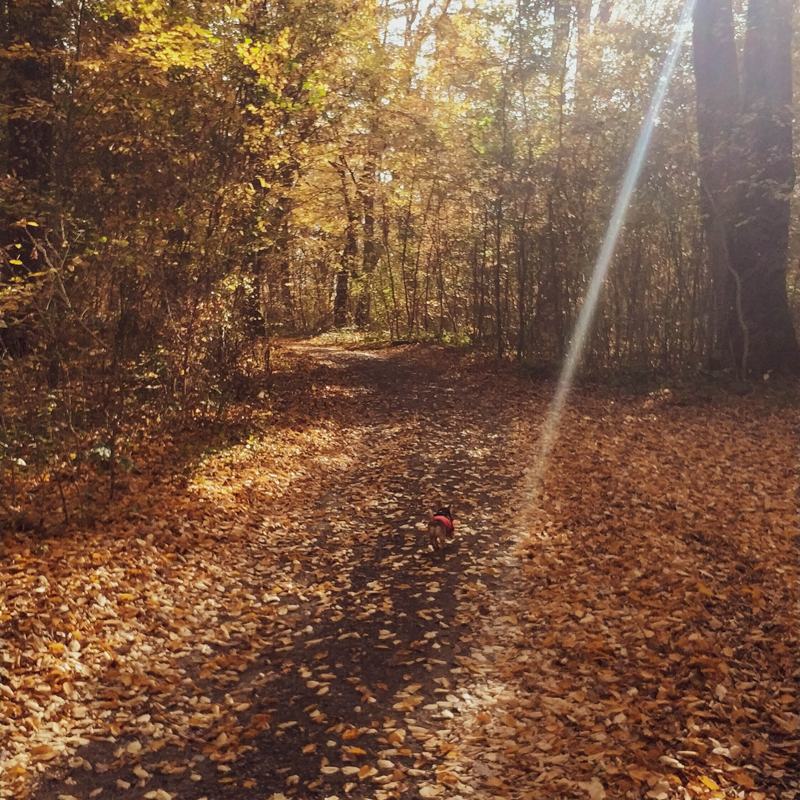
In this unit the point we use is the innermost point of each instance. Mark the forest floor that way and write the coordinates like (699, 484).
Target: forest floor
(264, 619)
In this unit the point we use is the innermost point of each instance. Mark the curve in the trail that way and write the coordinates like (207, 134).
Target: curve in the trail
(356, 674)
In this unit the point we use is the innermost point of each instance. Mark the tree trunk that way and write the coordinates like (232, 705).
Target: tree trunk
(747, 178)
(340, 298)
(555, 223)
(370, 254)
(716, 74)
(28, 35)
(31, 28)
(349, 251)
(760, 239)
(498, 307)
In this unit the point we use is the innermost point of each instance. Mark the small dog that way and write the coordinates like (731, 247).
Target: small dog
(440, 527)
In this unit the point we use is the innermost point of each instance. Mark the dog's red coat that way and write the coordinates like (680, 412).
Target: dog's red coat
(448, 523)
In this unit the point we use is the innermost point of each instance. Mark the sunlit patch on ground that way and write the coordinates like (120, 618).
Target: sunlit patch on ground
(272, 621)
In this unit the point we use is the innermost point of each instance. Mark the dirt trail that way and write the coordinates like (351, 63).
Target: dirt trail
(357, 674)
(271, 624)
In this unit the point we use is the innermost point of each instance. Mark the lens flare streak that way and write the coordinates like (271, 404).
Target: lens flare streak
(549, 433)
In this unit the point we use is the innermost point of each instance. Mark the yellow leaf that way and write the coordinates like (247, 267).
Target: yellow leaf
(221, 740)
(708, 783)
(366, 771)
(44, 752)
(158, 794)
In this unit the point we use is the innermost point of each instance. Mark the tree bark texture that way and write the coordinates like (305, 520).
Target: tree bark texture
(760, 239)
(747, 176)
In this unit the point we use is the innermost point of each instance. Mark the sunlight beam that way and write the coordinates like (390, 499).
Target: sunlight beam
(549, 433)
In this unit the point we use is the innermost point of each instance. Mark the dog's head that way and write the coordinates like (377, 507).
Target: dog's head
(444, 512)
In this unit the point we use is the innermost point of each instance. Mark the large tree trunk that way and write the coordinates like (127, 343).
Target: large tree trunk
(747, 176)
(559, 57)
(760, 239)
(717, 79)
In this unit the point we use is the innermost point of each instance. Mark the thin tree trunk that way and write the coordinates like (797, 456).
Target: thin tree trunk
(498, 308)
(349, 251)
(370, 253)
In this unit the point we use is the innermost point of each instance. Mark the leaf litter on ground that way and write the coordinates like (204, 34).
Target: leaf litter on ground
(273, 623)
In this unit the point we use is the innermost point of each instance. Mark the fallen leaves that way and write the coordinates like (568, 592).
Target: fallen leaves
(641, 638)
(639, 643)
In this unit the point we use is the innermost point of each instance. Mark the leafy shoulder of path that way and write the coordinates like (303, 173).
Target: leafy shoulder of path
(272, 623)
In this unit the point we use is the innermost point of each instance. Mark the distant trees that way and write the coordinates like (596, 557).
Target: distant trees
(180, 180)
(441, 171)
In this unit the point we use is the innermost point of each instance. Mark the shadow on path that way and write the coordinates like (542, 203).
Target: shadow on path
(337, 681)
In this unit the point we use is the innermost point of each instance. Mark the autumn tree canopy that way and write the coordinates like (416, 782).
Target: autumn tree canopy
(211, 577)
(178, 182)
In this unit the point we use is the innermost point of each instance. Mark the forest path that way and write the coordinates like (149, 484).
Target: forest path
(360, 641)
(265, 620)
